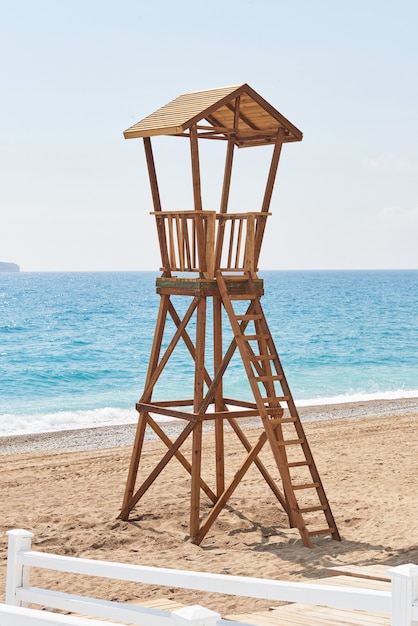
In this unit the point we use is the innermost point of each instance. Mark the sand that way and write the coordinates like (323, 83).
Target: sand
(67, 489)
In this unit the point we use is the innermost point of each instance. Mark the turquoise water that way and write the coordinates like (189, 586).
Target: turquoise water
(74, 347)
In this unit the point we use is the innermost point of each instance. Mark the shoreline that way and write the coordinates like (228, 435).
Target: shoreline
(115, 436)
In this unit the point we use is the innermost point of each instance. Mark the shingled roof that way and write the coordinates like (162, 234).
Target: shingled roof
(213, 112)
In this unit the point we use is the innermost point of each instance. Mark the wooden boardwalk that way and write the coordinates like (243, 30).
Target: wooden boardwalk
(361, 577)
(367, 577)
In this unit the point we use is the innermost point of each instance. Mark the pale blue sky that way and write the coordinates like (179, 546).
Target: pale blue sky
(73, 75)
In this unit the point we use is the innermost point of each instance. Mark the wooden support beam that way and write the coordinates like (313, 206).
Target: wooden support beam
(186, 338)
(194, 152)
(263, 470)
(200, 354)
(219, 403)
(268, 194)
(157, 370)
(133, 468)
(156, 347)
(223, 499)
(157, 470)
(179, 456)
(157, 203)
(228, 162)
(273, 171)
(152, 174)
(195, 481)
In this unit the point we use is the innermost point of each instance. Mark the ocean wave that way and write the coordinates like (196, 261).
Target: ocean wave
(15, 424)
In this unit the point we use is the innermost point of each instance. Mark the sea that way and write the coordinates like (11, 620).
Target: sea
(75, 346)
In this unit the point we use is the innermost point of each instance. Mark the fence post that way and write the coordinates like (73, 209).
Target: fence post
(195, 615)
(404, 594)
(17, 574)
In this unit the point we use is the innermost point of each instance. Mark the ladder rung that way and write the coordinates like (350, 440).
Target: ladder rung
(255, 337)
(276, 399)
(249, 316)
(306, 486)
(264, 379)
(275, 420)
(281, 420)
(324, 531)
(311, 509)
(263, 357)
(298, 464)
(290, 442)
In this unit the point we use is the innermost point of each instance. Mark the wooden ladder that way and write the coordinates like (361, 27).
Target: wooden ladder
(305, 498)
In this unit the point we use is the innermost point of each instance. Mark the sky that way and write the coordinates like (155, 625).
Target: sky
(74, 194)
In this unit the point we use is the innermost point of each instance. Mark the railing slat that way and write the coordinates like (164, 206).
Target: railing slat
(204, 242)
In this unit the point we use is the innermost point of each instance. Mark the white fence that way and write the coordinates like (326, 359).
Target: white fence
(401, 603)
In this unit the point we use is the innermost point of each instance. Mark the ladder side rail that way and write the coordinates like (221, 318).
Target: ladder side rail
(299, 428)
(277, 450)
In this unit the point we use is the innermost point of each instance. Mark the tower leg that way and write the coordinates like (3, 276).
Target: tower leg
(219, 402)
(199, 381)
(133, 468)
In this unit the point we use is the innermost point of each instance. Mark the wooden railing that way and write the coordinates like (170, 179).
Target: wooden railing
(204, 241)
(401, 602)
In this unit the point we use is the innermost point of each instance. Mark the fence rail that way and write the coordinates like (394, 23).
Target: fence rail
(206, 241)
(401, 603)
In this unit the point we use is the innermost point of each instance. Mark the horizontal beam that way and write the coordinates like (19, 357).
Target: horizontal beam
(272, 590)
(165, 409)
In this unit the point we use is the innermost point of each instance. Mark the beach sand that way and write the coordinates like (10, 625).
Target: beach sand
(67, 489)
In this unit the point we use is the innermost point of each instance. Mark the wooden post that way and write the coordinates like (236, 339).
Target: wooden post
(210, 223)
(194, 151)
(227, 177)
(228, 162)
(17, 575)
(268, 193)
(142, 421)
(157, 204)
(219, 403)
(197, 430)
(152, 174)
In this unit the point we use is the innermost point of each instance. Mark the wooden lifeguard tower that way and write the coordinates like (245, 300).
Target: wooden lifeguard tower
(217, 254)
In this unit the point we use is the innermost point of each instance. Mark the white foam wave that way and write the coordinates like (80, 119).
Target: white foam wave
(13, 424)
(360, 397)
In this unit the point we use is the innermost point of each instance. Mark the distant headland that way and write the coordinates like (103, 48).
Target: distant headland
(9, 267)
